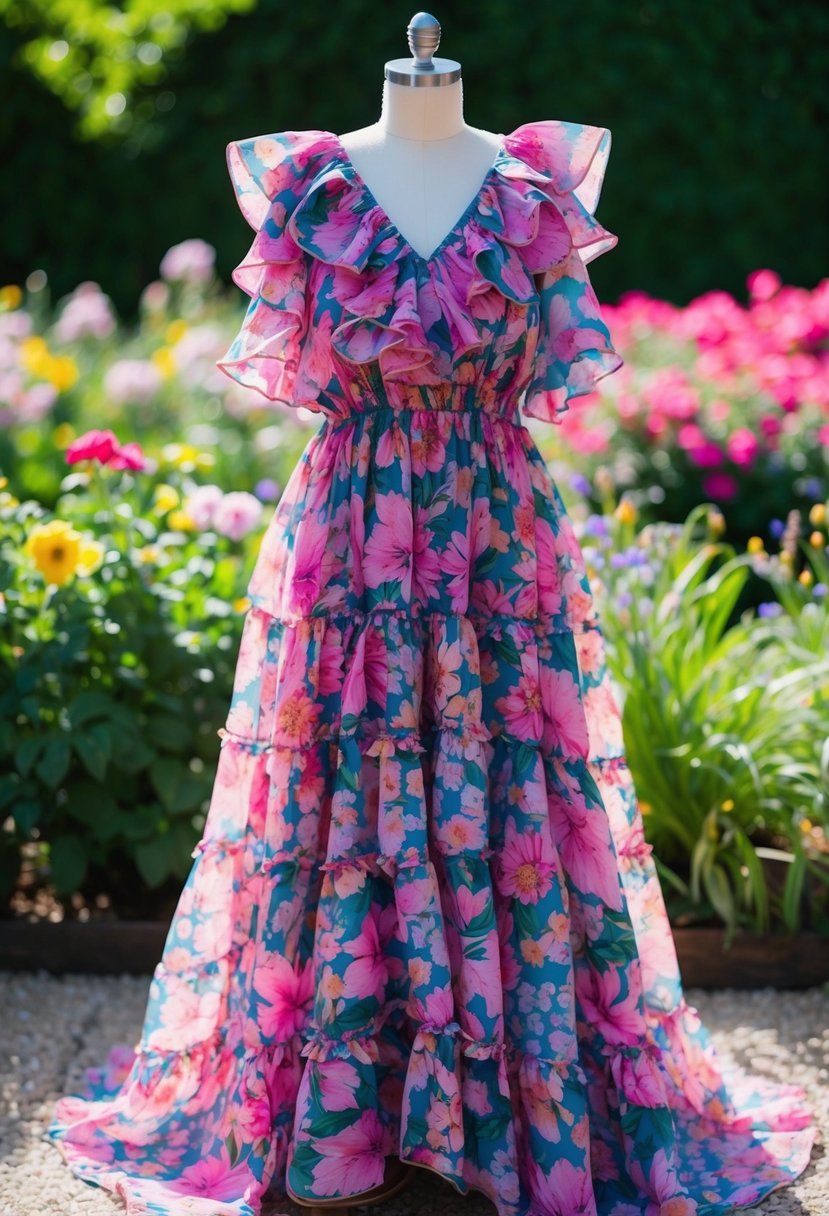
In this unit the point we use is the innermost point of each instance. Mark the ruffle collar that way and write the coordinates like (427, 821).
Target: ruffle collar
(305, 198)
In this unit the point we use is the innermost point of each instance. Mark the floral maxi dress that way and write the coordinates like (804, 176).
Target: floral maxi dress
(423, 919)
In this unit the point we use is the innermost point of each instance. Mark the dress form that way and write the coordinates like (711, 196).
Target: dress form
(422, 162)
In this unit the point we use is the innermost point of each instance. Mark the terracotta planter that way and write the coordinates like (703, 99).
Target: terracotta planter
(776, 960)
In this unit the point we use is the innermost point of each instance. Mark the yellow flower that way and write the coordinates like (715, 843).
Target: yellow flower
(179, 454)
(626, 512)
(11, 296)
(817, 515)
(786, 558)
(806, 825)
(4, 481)
(175, 331)
(61, 372)
(205, 460)
(164, 361)
(716, 522)
(91, 556)
(181, 521)
(55, 549)
(64, 434)
(242, 604)
(816, 540)
(728, 805)
(755, 544)
(148, 554)
(645, 808)
(165, 498)
(805, 578)
(8, 500)
(34, 355)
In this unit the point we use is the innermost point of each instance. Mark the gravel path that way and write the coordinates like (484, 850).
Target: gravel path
(52, 1027)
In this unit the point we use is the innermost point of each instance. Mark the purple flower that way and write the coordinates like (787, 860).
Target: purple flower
(596, 525)
(202, 503)
(819, 590)
(267, 489)
(624, 599)
(188, 262)
(776, 528)
(237, 514)
(87, 313)
(769, 609)
(132, 381)
(580, 484)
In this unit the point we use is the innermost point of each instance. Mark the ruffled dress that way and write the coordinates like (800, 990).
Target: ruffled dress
(423, 918)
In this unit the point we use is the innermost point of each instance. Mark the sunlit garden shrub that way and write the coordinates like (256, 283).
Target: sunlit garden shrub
(717, 402)
(726, 728)
(120, 619)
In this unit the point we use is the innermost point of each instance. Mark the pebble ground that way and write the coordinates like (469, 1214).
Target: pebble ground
(52, 1027)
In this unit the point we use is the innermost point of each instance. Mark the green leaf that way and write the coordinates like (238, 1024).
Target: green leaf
(178, 788)
(88, 706)
(168, 734)
(26, 754)
(156, 859)
(54, 763)
(26, 814)
(67, 863)
(94, 750)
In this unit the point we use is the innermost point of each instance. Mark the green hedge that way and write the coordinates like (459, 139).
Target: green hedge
(718, 114)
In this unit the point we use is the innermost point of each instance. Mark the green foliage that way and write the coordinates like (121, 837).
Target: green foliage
(725, 728)
(113, 685)
(718, 114)
(97, 58)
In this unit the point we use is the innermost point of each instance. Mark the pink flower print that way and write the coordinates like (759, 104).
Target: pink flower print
(426, 567)
(288, 992)
(543, 1095)
(563, 1190)
(583, 840)
(563, 711)
(444, 673)
(620, 1021)
(454, 564)
(304, 576)
(213, 1177)
(476, 1097)
(387, 556)
(428, 448)
(521, 709)
(186, 1016)
(470, 905)
(353, 1159)
(525, 865)
(444, 1118)
(367, 975)
(338, 1082)
(296, 719)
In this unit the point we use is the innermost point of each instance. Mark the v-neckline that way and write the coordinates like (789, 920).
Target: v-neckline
(459, 222)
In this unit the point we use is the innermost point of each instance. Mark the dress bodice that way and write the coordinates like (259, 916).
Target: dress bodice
(346, 316)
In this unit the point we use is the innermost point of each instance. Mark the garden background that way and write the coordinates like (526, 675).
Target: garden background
(698, 475)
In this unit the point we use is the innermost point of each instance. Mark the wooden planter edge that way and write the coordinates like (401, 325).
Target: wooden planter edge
(135, 947)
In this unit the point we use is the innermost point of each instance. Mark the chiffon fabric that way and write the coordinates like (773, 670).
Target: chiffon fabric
(423, 918)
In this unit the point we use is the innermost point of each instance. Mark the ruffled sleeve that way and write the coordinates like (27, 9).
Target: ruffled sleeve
(269, 174)
(574, 348)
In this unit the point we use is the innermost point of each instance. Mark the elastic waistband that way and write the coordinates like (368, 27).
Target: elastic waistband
(405, 414)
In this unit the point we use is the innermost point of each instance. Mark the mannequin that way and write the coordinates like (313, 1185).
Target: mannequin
(420, 160)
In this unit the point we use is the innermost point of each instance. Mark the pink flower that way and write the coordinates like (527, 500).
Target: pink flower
(202, 503)
(132, 381)
(525, 865)
(237, 514)
(103, 446)
(763, 284)
(743, 446)
(367, 975)
(87, 313)
(190, 261)
(720, 486)
(353, 1158)
(388, 551)
(288, 992)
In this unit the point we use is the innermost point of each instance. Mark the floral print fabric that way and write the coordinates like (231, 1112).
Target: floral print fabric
(423, 919)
